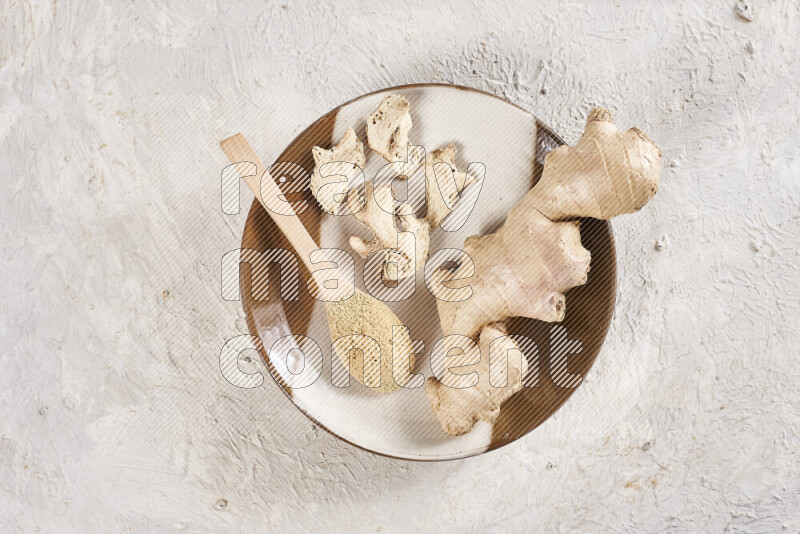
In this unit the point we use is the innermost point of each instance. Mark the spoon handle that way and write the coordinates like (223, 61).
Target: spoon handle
(239, 150)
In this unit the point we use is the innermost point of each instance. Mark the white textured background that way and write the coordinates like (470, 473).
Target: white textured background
(115, 416)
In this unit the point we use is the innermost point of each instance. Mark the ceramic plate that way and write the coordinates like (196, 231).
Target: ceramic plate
(511, 143)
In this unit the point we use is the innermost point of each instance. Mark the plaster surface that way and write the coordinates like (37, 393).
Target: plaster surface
(115, 414)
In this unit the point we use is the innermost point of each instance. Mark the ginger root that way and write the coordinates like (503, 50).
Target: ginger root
(458, 409)
(607, 173)
(525, 267)
(522, 270)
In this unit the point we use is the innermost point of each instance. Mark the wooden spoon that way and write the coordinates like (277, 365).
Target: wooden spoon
(360, 314)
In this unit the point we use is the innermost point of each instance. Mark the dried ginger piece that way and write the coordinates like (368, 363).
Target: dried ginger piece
(388, 127)
(348, 158)
(400, 259)
(387, 134)
(443, 183)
